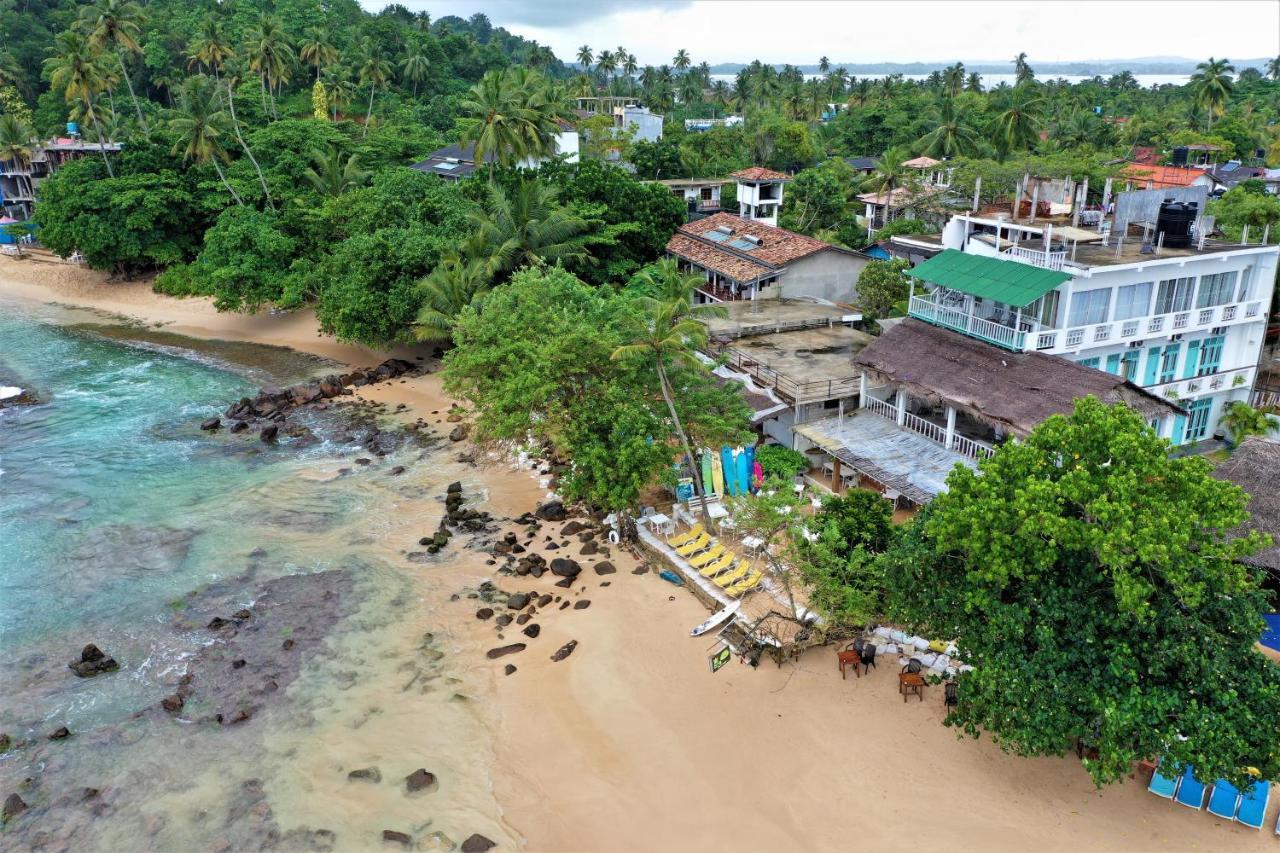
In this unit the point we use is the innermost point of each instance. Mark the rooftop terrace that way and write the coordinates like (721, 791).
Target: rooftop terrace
(763, 316)
(802, 366)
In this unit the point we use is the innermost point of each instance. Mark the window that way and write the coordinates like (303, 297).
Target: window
(1129, 366)
(1246, 283)
(1045, 309)
(1216, 289)
(1169, 363)
(1174, 294)
(1090, 362)
(1133, 300)
(1089, 307)
(1210, 356)
(1197, 426)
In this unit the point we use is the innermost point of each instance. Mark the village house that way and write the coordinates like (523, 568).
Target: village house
(626, 113)
(457, 161)
(919, 198)
(1147, 297)
(1152, 177)
(20, 179)
(702, 125)
(760, 193)
(701, 196)
(864, 166)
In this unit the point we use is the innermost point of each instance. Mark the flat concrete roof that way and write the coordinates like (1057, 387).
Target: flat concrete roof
(766, 316)
(807, 355)
(1096, 255)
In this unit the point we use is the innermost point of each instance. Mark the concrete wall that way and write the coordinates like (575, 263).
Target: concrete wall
(826, 275)
(648, 125)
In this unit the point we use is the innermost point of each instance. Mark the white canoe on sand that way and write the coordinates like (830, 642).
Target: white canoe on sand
(717, 618)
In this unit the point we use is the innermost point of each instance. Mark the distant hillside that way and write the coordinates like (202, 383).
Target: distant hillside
(1087, 68)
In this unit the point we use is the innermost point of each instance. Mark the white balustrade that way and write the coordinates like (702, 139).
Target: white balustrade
(1180, 321)
(1037, 258)
(1206, 316)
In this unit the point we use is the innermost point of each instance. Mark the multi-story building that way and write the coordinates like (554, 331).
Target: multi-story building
(20, 177)
(1148, 299)
(760, 193)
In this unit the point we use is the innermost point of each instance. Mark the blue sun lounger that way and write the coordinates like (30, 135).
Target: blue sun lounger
(1162, 785)
(1191, 792)
(1225, 800)
(1253, 805)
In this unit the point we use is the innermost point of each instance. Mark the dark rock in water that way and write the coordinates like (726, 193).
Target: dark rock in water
(268, 433)
(565, 568)
(455, 488)
(239, 426)
(509, 668)
(240, 716)
(484, 613)
(173, 704)
(564, 651)
(477, 844)
(363, 461)
(242, 615)
(13, 806)
(604, 567)
(287, 645)
(237, 664)
(211, 423)
(551, 511)
(89, 794)
(502, 651)
(582, 605)
(93, 662)
(419, 780)
(217, 623)
(60, 733)
(532, 631)
(518, 601)
(458, 433)
(396, 471)
(368, 774)
(5, 743)
(390, 835)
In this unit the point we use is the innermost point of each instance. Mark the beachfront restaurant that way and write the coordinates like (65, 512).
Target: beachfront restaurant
(930, 399)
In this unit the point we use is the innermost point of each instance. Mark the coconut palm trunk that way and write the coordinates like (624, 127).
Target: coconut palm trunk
(235, 123)
(217, 168)
(102, 146)
(369, 115)
(680, 433)
(136, 106)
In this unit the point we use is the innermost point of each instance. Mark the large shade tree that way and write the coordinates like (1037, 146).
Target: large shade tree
(1093, 583)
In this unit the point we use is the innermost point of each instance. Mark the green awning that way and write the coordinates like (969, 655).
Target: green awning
(1010, 282)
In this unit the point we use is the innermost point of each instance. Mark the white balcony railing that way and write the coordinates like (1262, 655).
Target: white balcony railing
(1178, 389)
(1161, 323)
(962, 321)
(967, 447)
(1049, 261)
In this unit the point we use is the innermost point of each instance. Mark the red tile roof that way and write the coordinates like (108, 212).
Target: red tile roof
(922, 163)
(1161, 176)
(759, 173)
(778, 247)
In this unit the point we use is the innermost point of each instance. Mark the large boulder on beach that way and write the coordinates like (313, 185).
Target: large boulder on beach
(477, 843)
(564, 651)
(420, 780)
(518, 601)
(502, 651)
(565, 568)
(551, 511)
(93, 661)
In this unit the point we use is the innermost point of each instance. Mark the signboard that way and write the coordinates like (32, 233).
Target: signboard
(719, 658)
(684, 489)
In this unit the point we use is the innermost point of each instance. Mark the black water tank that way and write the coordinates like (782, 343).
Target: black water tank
(1175, 221)
(1179, 156)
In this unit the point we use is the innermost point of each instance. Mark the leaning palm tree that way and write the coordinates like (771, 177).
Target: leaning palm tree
(16, 145)
(668, 331)
(453, 285)
(498, 125)
(889, 175)
(1211, 85)
(234, 69)
(824, 65)
(332, 174)
(201, 126)
(74, 69)
(317, 50)
(1273, 68)
(373, 71)
(1018, 126)
(415, 66)
(115, 26)
(529, 227)
(271, 56)
(1022, 72)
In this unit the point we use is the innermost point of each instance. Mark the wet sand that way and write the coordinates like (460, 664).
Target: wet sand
(631, 743)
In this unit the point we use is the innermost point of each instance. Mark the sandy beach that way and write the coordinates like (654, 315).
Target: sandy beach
(632, 743)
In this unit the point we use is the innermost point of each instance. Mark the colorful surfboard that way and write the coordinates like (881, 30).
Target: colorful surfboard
(752, 469)
(744, 471)
(708, 486)
(717, 474)
(730, 473)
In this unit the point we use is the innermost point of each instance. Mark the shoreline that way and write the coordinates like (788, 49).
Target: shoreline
(631, 743)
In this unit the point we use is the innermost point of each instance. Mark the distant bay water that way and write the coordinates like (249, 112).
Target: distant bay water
(991, 80)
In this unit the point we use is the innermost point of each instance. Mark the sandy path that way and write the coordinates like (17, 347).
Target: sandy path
(632, 744)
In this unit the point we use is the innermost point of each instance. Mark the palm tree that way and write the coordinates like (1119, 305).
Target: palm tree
(952, 137)
(668, 331)
(201, 125)
(74, 69)
(1211, 85)
(629, 68)
(453, 285)
(271, 56)
(373, 71)
(889, 175)
(682, 60)
(824, 65)
(234, 72)
(606, 64)
(415, 66)
(316, 50)
(585, 56)
(720, 91)
(210, 47)
(1242, 420)
(1273, 68)
(1018, 127)
(529, 227)
(507, 120)
(16, 145)
(974, 82)
(953, 80)
(115, 26)
(690, 90)
(333, 174)
(339, 89)
(1022, 72)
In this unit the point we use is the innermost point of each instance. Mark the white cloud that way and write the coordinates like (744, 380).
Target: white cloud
(800, 31)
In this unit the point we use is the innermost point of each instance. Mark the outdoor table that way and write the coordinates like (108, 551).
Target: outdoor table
(909, 683)
(717, 511)
(848, 658)
(752, 543)
(663, 523)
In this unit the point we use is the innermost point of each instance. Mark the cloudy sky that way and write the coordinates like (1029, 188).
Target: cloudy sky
(799, 31)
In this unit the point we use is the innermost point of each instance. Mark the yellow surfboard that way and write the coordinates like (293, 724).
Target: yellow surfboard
(717, 474)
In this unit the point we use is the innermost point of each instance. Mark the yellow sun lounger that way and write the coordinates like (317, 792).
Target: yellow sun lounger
(725, 581)
(695, 546)
(685, 538)
(742, 587)
(707, 556)
(715, 568)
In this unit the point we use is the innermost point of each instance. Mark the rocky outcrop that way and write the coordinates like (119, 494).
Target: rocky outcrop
(93, 662)
(477, 843)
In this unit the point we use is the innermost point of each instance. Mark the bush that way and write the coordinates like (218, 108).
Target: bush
(781, 462)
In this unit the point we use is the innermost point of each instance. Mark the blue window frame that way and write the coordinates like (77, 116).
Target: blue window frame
(1153, 366)
(1129, 365)
(1169, 363)
(1090, 362)
(1197, 420)
(1210, 356)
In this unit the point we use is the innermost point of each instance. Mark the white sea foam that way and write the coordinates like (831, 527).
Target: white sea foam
(9, 391)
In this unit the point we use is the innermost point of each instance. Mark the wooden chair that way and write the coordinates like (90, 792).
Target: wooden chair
(851, 655)
(911, 683)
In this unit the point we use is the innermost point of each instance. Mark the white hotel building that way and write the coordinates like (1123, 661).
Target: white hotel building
(1185, 323)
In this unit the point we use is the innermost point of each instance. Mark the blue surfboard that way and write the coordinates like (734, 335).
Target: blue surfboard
(730, 471)
(740, 461)
(751, 465)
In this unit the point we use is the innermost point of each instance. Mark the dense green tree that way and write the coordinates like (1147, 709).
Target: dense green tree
(819, 199)
(1091, 581)
(245, 260)
(882, 285)
(201, 127)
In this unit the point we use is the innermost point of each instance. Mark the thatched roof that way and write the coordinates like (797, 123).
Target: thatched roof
(1255, 467)
(1013, 391)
